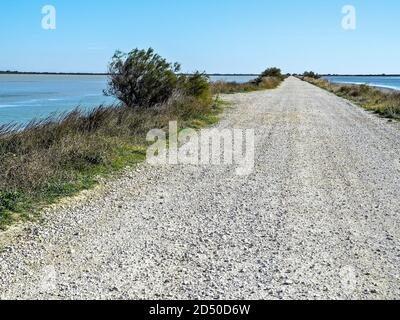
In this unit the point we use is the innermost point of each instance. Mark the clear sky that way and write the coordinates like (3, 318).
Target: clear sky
(227, 36)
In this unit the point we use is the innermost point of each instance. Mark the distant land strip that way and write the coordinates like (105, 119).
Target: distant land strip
(105, 74)
(208, 74)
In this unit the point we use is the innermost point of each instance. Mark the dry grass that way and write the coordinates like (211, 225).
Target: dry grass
(60, 156)
(222, 87)
(383, 102)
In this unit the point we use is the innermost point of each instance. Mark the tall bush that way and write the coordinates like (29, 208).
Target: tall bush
(141, 78)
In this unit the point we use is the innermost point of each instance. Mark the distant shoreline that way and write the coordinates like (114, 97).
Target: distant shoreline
(209, 74)
(384, 88)
(106, 74)
(53, 73)
(360, 75)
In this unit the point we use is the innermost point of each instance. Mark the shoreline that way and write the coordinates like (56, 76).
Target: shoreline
(208, 74)
(107, 74)
(382, 88)
(386, 90)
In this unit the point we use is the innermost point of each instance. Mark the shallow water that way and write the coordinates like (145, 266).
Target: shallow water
(388, 82)
(25, 97)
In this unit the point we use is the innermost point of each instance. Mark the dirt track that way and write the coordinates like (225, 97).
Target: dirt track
(318, 218)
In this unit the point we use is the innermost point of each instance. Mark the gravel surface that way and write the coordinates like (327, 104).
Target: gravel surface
(318, 218)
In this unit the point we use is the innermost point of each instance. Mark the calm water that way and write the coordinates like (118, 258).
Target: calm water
(238, 79)
(388, 82)
(25, 97)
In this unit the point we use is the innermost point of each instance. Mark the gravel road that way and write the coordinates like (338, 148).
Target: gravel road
(318, 218)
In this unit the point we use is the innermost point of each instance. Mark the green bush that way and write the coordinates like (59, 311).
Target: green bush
(272, 72)
(141, 78)
(311, 74)
(196, 85)
(269, 73)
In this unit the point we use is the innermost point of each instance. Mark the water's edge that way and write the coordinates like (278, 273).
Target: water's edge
(25, 97)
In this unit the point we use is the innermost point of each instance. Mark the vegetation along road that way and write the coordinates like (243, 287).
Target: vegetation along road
(318, 218)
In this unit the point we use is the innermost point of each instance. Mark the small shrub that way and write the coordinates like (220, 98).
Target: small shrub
(311, 74)
(196, 85)
(272, 73)
(269, 73)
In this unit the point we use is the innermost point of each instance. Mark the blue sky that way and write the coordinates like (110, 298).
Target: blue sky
(227, 36)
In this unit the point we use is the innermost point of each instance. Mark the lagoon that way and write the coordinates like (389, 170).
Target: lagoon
(387, 82)
(26, 97)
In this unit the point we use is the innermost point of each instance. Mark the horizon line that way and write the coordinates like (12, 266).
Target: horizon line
(208, 74)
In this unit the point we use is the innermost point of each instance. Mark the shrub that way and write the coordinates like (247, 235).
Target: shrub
(269, 73)
(272, 72)
(311, 74)
(141, 78)
(196, 85)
